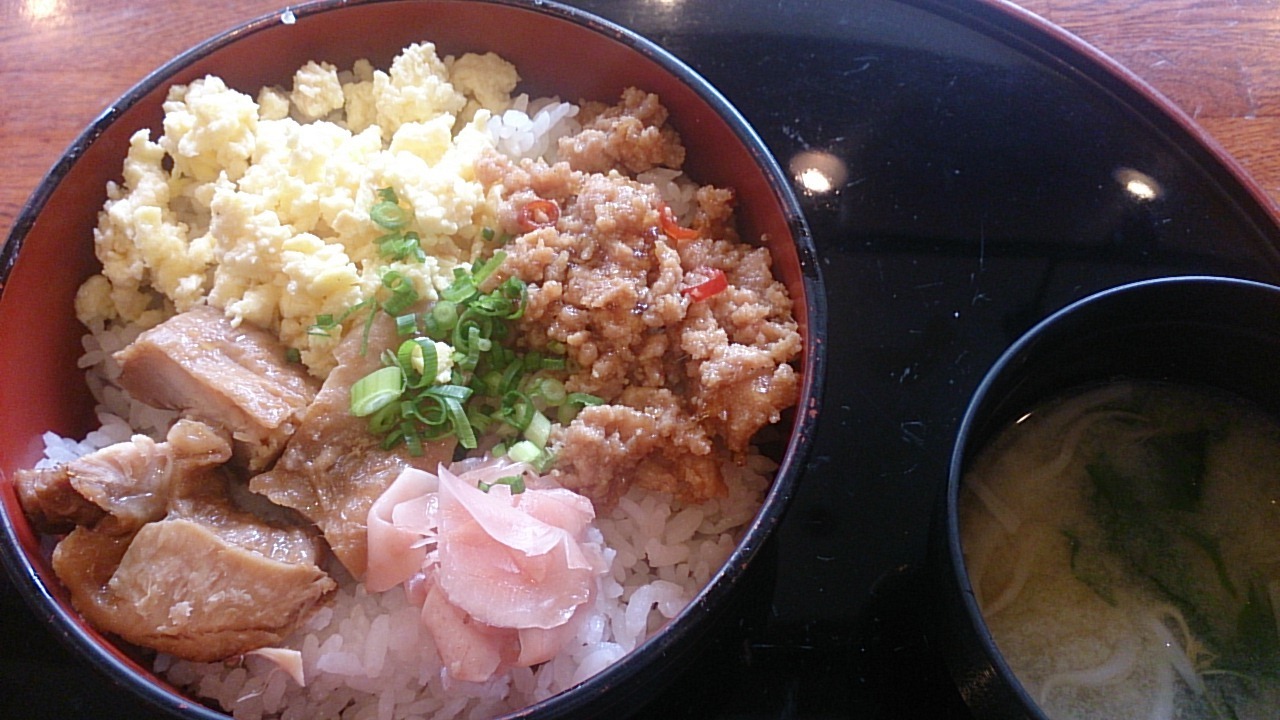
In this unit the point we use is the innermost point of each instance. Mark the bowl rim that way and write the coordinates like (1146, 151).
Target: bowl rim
(660, 649)
(962, 451)
(1102, 70)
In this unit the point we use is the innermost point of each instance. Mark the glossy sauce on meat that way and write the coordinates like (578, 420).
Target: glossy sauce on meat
(160, 555)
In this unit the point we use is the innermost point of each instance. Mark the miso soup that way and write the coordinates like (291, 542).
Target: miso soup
(1124, 545)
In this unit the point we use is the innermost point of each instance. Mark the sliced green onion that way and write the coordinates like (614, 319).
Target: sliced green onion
(429, 411)
(480, 422)
(492, 388)
(583, 399)
(501, 357)
(539, 430)
(368, 328)
(445, 314)
(543, 462)
(419, 355)
(524, 451)
(413, 442)
(407, 324)
(404, 247)
(389, 215)
(403, 293)
(515, 482)
(488, 267)
(510, 377)
(517, 294)
(413, 248)
(552, 391)
(517, 410)
(405, 356)
(573, 404)
(385, 419)
(461, 425)
(323, 325)
(489, 383)
(376, 390)
(456, 392)
(293, 355)
(462, 289)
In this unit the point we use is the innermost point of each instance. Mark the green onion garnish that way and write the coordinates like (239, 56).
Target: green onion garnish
(418, 358)
(550, 390)
(583, 399)
(403, 294)
(376, 390)
(515, 482)
(491, 388)
(524, 451)
(390, 215)
(574, 403)
(539, 430)
(406, 324)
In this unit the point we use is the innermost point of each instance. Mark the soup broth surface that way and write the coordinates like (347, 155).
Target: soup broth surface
(1123, 543)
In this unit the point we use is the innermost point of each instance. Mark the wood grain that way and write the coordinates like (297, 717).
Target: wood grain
(62, 62)
(1218, 60)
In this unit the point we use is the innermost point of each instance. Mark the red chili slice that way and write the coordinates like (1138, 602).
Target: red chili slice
(538, 213)
(715, 283)
(673, 229)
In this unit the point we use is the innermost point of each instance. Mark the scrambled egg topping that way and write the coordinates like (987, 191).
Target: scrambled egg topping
(261, 206)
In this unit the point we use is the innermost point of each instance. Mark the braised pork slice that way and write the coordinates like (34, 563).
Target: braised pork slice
(334, 468)
(236, 378)
(159, 554)
(51, 503)
(131, 480)
(206, 582)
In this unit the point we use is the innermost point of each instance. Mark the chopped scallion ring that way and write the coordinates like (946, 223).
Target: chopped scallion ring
(515, 482)
(524, 451)
(406, 324)
(389, 215)
(376, 390)
(539, 430)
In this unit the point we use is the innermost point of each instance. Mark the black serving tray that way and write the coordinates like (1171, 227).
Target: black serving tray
(989, 165)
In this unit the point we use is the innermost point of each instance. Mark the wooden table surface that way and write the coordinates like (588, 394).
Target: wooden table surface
(63, 61)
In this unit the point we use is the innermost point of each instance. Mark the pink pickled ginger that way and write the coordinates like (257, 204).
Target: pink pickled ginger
(398, 523)
(500, 574)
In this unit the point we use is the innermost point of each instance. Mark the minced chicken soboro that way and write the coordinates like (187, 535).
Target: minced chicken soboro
(633, 345)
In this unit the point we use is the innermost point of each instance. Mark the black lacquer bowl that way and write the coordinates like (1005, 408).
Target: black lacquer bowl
(1215, 332)
(559, 51)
